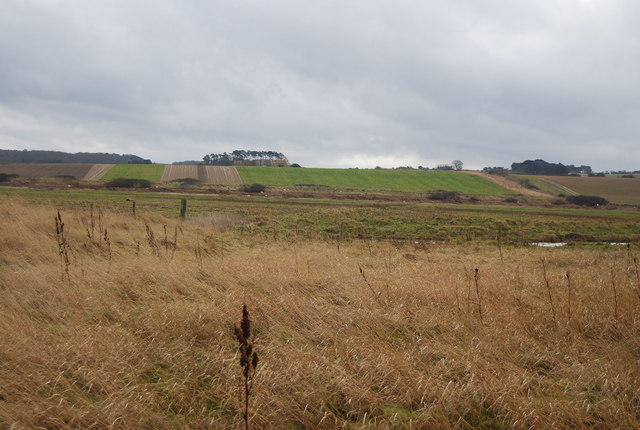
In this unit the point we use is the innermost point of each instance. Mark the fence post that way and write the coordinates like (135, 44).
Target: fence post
(133, 207)
(183, 208)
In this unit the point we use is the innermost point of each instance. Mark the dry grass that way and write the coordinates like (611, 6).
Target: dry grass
(364, 336)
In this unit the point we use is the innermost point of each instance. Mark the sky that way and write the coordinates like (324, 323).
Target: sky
(331, 83)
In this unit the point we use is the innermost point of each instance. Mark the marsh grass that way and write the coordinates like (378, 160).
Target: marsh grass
(148, 343)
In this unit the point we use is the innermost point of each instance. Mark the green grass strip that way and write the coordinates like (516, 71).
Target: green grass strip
(150, 172)
(370, 179)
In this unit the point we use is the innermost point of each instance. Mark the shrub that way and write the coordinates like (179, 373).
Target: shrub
(185, 182)
(628, 176)
(128, 183)
(474, 199)
(527, 184)
(511, 200)
(597, 175)
(7, 177)
(254, 188)
(587, 200)
(444, 195)
(295, 165)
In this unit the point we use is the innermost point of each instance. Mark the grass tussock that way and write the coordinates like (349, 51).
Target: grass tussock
(139, 334)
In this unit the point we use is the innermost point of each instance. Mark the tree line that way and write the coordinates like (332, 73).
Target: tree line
(226, 159)
(541, 167)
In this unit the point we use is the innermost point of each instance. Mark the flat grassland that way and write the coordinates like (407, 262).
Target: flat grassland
(150, 172)
(369, 179)
(363, 220)
(616, 190)
(134, 328)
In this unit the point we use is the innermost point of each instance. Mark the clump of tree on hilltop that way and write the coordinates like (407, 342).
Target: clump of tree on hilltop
(239, 156)
(541, 167)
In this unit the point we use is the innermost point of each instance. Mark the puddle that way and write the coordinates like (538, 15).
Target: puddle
(549, 244)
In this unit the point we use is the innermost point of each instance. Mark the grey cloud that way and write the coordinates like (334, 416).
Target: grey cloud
(330, 83)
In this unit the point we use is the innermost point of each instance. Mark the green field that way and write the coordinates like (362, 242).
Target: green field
(394, 180)
(150, 172)
(344, 220)
(615, 189)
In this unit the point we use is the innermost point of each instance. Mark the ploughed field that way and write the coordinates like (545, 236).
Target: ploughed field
(224, 175)
(615, 189)
(40, 170)
(116, 321)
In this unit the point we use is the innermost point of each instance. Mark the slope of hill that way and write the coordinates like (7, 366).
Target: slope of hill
(406, 180)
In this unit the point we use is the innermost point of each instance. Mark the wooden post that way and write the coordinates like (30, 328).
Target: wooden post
(183, 209)
(133, 207)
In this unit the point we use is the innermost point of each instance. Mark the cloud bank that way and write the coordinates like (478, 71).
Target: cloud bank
(330, 84)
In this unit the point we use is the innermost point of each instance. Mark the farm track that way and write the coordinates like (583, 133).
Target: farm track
(219, 175)
(562, 187)
(509, 185)
(97, 171)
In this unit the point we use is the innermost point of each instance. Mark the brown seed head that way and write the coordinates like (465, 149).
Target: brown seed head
(238, 333)
(246, 323)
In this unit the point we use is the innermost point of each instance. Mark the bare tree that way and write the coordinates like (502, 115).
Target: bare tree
(457, 164)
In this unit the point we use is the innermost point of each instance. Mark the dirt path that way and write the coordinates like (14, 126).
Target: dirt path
(97, 171)
(509, 184)
(562, 187)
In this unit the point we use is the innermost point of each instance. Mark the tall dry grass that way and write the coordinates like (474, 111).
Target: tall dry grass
(141, 335)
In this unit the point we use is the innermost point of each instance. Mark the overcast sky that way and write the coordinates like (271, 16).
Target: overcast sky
(330, 83)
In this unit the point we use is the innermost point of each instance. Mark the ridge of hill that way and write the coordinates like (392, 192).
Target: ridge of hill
(38, 156)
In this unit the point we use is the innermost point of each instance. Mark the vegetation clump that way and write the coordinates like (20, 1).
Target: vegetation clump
(254, 188)
(7, 177)
(444, 195)
(587, 200)
(188, 182)
(128, 183)
(525, 182)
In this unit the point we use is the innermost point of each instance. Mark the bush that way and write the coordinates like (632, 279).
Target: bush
(596, 175)
(474, 199)
(511, 200)
(128, 183)
(527, 184)
(587, 200)
(628, 176)
(444, 195)
(7, 177)
(254, 188)
(185, 182)
(295, 165)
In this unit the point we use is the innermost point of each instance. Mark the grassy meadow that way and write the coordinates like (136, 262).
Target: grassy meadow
(150, 172)
(120, 322)
(346, 220)
(368, 179)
